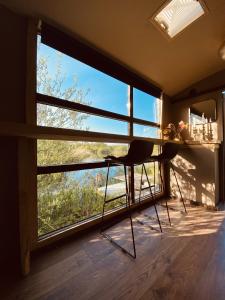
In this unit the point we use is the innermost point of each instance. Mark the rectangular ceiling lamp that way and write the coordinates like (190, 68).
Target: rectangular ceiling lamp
(177, 15)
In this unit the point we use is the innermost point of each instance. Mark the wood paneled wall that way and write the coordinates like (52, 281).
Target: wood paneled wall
(13, 32)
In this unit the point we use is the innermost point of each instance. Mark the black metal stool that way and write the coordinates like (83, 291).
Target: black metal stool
(169, 151)
(139, 152)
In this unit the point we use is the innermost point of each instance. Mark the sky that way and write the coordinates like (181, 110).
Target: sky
(104, 92)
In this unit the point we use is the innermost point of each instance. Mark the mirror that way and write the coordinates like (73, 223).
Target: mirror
(202, 117)
(203, 112)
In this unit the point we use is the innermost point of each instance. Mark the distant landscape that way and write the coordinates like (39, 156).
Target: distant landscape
(67, 198)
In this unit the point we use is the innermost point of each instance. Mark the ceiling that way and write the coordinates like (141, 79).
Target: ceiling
(122, 30)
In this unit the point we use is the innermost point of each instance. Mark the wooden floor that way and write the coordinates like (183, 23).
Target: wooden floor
(187, 261)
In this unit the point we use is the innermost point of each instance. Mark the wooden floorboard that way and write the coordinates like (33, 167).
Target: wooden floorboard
(186, 261)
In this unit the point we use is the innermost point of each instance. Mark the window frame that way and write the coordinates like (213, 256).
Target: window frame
(81, 135)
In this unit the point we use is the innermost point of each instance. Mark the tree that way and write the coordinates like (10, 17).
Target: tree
(54, 84)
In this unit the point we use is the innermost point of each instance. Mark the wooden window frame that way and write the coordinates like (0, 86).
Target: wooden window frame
(92, 57)
(28, 133)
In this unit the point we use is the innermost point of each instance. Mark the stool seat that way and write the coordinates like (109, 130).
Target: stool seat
(124, 160)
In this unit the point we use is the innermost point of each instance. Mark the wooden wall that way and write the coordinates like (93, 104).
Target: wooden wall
(208, 88)
(13, 32)
(166, 111)
(180, 109)
(206, 172)
(205, 89)
(207, 85)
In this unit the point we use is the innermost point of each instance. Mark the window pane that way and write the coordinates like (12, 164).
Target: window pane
(63, 77)
(141, 186)
(146, 131)
(68, 198)
(146, 107)
(141, 183)
(63, 118)
(50, 152)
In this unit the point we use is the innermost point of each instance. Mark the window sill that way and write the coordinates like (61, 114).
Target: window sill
(89, 224)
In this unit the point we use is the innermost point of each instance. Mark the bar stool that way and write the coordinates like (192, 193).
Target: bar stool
(169, 151)
(139, 152)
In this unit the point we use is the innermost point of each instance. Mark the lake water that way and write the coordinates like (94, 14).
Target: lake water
(78, 175)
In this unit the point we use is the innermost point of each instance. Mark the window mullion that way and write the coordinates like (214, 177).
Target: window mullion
(130, 102)
(131, 132)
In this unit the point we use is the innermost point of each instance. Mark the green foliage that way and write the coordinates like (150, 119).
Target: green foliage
(68, 202)
(66, 206)
(63, 152)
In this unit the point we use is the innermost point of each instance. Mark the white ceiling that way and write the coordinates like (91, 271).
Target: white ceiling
(121, 29)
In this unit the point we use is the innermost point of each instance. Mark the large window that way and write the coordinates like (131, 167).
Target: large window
(74, 96)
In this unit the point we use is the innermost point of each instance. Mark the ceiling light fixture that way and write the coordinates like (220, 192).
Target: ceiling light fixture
(176, 15)
(222, 51)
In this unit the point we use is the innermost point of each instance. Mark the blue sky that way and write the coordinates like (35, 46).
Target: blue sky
(105, 92)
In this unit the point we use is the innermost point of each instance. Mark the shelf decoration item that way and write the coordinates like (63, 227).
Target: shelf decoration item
(169, 133)
(204, 132)
(182, 131)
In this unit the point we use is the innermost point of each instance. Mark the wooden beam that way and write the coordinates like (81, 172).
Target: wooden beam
(31, 119)
(194, 93)
(71, 167)
(31, 111)
(27, 153)
(50, 133)
(26, 172)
